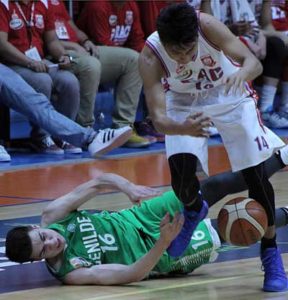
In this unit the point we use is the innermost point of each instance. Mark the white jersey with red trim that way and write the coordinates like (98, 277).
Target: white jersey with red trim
(197, 87)
(202, 77)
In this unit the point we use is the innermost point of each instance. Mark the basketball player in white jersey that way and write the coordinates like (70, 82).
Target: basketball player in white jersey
(196, 71)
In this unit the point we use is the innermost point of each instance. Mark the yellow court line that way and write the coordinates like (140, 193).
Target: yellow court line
(168, 287)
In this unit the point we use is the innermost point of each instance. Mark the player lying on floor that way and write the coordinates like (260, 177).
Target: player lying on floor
(121, 247)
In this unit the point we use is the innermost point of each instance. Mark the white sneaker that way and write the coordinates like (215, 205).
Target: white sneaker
(71, 149)
(275, 120)
(213, 131)
(284, 154)
(4, 156)
(108, 139)
(68, 148)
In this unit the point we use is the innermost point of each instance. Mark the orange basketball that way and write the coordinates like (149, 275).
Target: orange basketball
(242, 221)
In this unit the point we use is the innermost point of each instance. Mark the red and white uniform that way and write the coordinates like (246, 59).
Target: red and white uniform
(256, 7)
(279, 12)
(196, 87)
(110, 25)
(223, 12)
(63, 28)
(203, 74)
(13, 21)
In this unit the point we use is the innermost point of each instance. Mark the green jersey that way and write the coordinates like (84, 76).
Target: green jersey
(125, 236)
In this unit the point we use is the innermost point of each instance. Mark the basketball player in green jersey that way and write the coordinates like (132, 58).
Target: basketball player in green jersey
(121, 247)
(110, 248)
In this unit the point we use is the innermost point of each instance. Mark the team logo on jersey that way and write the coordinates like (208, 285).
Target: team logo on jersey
(39, 21)
(55, 2)
(207, 60)
(129, 17)
(71, 227)
(16, 23)
(183, 73)
(79, 262)
(113, 20)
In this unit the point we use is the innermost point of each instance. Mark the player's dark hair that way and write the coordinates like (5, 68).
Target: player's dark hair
(177, 24)
(18, 244)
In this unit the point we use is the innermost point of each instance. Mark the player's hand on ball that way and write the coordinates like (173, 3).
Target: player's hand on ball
(169, 230)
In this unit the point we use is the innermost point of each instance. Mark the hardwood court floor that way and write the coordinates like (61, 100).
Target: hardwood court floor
(25, 192)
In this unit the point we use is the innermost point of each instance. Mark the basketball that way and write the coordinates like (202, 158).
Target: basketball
(242, 221)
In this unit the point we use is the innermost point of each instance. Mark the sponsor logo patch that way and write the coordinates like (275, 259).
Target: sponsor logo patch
(208, 61)
(79, 262)
(16, 23)
(113, 20)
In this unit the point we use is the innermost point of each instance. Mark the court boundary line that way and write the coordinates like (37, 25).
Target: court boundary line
(35, 200)
(75, 161)
(170, 287)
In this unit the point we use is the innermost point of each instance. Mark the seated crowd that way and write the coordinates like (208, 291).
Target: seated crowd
(62, 65)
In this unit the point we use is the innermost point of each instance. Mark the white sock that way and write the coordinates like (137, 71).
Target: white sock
(284, 96)
(284, 154)
(268, 93)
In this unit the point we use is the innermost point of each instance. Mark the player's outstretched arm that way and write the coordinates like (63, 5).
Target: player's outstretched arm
(111, 274)
(61, 207)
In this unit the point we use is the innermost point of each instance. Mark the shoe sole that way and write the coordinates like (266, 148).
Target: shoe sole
(73, 151)
(160, 140)
(5, 160)
(36, 149)
(271, 290)
(119, 141)
(135, 145)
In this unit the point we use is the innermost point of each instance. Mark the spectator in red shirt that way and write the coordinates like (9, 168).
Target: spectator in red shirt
(149, 11)
(26, 28)
(117, 23)
(113, 23)
(279, 11)
(93, 65)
